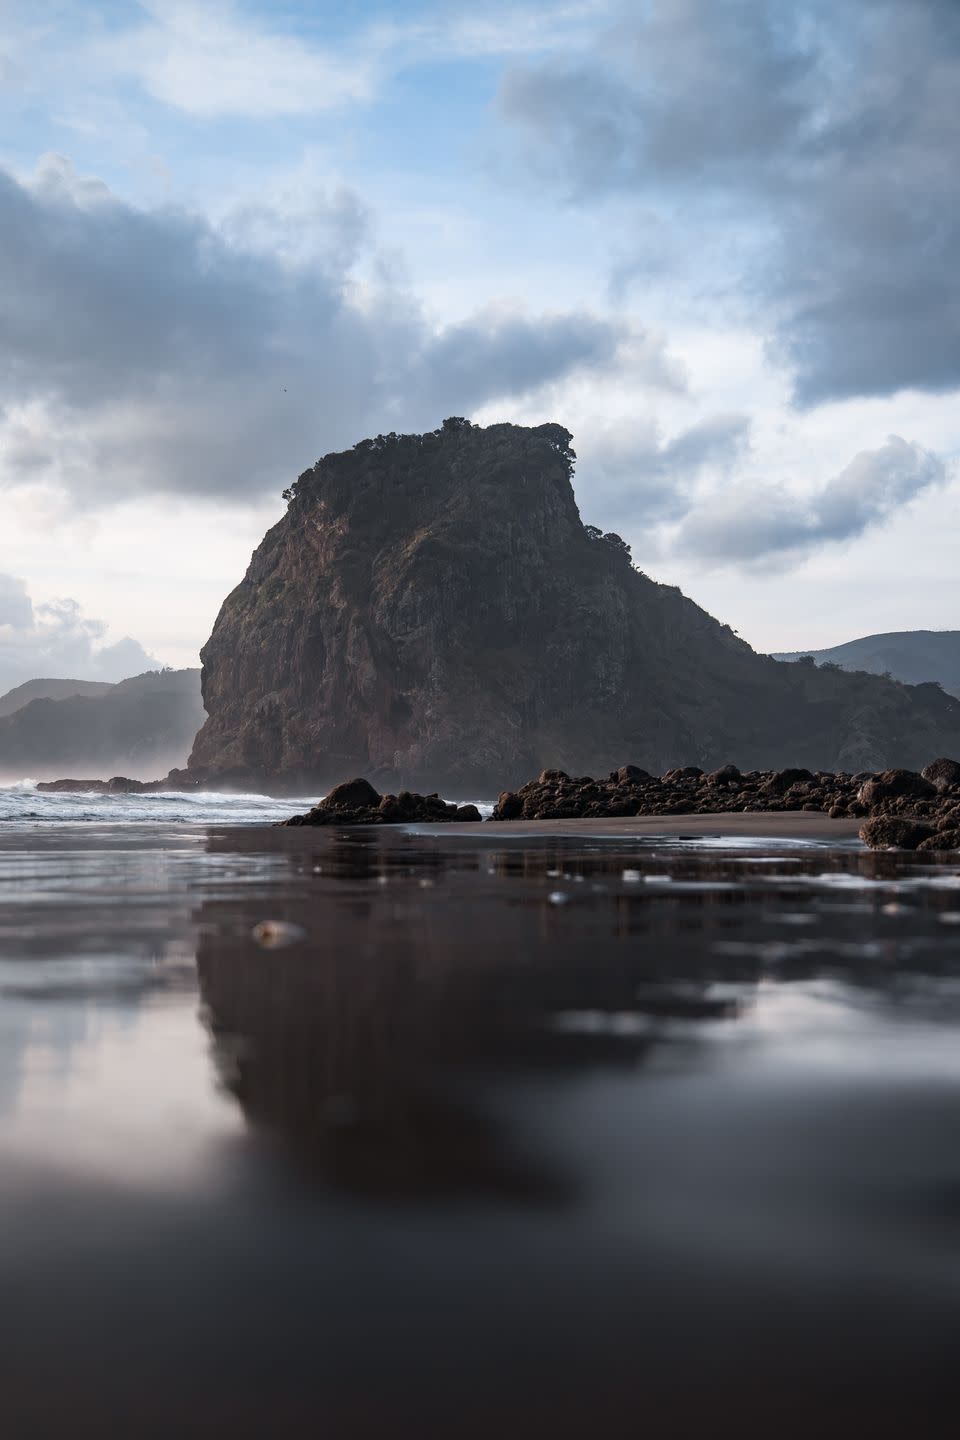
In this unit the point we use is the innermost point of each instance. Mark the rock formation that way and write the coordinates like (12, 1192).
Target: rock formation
(355, 802)
(902, 810)
(432, 612)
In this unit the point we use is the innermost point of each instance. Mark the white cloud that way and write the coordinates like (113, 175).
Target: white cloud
(56, 640)
(209, 60)
(154, 351)
(756, 524)
(629, 475)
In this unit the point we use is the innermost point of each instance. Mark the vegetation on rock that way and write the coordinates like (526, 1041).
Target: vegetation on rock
(432, 612)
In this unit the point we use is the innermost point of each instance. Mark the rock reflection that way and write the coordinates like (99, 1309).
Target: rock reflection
(381, 1048)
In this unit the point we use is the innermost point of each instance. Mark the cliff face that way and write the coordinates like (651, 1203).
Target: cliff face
(431, 611)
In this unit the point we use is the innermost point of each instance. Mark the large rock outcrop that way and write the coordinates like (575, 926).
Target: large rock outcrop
(432, 612)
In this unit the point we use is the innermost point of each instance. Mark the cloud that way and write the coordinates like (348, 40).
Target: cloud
(820, 142)
(151, 351)
(56, 640)
(755, 524)
(627, 473)
(214, 59)
(693, 90)
(210, 60)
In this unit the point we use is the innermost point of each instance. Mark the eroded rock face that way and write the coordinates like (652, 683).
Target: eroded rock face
(432, 613)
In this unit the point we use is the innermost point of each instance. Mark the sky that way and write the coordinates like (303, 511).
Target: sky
(718, 240)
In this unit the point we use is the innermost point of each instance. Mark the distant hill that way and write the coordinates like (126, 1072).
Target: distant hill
(21, 695)
(912, 656)
(140, 727)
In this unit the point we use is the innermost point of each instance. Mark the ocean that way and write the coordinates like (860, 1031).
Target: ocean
(21, 803)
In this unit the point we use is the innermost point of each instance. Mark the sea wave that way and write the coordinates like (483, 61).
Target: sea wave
(22, 803)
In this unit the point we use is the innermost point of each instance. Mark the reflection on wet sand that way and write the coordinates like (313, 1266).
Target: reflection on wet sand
(488, 1139)
(376, 1041)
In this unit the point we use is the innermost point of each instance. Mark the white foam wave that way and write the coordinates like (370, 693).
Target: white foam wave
(22, 803)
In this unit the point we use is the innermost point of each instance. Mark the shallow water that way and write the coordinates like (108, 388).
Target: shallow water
(482, 1136)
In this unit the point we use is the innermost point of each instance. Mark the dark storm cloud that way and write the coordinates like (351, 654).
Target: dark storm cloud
(760, 524)
(168, 355)
(823, 138)
(57, 640)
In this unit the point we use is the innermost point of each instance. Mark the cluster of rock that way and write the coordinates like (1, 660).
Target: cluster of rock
(116, 785)
(914, 812)
(899, 807)
(356, 802)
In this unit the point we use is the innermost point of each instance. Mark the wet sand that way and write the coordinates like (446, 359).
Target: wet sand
(535, 1131)
(754, 825)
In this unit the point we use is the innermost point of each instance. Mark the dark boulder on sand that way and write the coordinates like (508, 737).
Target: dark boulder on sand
(941, 840)
(943, 774)
(895, 785)
(894, 832)
(356, 802)
(726, 775)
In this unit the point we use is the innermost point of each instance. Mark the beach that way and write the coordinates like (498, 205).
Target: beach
(757, 825)
(379, 1132)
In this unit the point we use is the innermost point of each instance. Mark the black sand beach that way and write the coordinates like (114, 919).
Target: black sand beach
(530, 1130)
(753, 826)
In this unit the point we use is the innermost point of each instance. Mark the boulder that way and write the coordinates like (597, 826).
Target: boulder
(895, 785)
(942, 774)
(726, 775)
(356, 802)
(894, 832)
(509, 806)
(780, 781)
(630, 775)
(942, 840)
(351, 792)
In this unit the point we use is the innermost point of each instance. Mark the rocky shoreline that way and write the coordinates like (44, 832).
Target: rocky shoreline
(900, 809)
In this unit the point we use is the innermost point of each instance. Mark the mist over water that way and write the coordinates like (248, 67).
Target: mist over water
(379, 1133)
